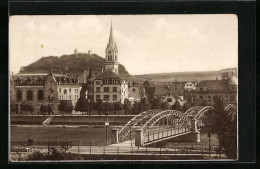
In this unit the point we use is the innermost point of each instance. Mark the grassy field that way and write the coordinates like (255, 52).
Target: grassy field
(55, 133)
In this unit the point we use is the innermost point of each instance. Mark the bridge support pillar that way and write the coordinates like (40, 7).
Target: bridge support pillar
(194, 125)
(115, 134)
(139, 137)
(195, 136)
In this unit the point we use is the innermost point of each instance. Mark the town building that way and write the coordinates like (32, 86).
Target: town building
(110, 87)
(42, 89)
(167, 93)
(136, 92)
(208, 90)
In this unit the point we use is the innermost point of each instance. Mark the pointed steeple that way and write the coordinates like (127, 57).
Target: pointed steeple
(111, 41)
(111, 37)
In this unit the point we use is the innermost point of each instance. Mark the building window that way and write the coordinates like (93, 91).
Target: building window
(209, 98)
(114, 89)
(98, 82)
(114, 97)
(201, 97)
(169, 100)
(29, 95)
(106, 89)
(65, 91)
(19, 95)
(69, 89)
(70, 97)
(201, 89)
(105, 81)
(226, 98)
(106, 97)
(97, 97)
(97, 89)
(50, 97)
(60, 90)
(40, 94)
(115, 57)
(232, 97)
(109, 58)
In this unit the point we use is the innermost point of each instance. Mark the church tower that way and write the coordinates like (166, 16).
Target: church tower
(111, 62)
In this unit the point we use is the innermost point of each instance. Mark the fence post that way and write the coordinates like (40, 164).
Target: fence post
(146, 150)
(117, 150)
(78, 150)
(90, 150)
(160, 150)
(132, 150)
(48, 148)
(104, 150)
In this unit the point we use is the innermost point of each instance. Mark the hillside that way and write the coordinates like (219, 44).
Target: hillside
(70, 64)
(184, 76)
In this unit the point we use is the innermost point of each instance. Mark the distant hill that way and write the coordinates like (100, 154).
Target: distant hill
(70, 64)
(183, 76)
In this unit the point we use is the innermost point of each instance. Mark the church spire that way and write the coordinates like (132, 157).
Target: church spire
(111, 37)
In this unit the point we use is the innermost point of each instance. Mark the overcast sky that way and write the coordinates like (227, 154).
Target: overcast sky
(146, 43)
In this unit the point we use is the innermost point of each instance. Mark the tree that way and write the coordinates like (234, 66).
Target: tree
(177, 106)
(27, 108)
(156, 104)
(13, 108)
(82, 105)
(195, 102)
(65, 106)
(44, 109)
(127, 106)
(186, 106)
(218, 121)
(99, 106)
(145, 104)
(118, 107)
(165, 106)
(137, 107)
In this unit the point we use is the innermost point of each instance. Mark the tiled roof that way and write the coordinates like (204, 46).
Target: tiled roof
(39, 79)
(213, 85)
(109, 74)
(173, 88)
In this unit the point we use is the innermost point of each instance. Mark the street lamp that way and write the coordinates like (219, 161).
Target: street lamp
(88, 107)
(106, 124)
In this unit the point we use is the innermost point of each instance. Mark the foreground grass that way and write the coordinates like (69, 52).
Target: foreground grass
(27, 119)
(55, 133)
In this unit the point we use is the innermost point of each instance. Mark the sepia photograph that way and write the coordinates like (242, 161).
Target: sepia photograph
(123, 88)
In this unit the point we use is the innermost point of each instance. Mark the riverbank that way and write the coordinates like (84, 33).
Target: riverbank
(70, 120)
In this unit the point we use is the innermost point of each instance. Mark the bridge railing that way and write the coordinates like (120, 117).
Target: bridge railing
(164, 132)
